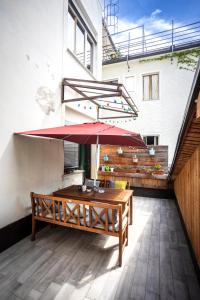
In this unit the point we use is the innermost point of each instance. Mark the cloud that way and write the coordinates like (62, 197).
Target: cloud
(155, 13)
(133, 31)
(152, 24)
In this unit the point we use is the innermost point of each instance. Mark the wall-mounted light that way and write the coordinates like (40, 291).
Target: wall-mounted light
(152, 151)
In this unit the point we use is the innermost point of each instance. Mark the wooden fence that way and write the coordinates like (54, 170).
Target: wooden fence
(141, 173)
(187, 189)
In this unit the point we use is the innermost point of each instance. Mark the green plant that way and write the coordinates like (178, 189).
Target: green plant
(107, 168)
(149, 171)
(127, 167)
(116, 54)
(157, 167)
(186, 59)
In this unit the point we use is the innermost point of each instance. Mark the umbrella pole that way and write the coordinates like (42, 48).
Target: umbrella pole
(97, 151)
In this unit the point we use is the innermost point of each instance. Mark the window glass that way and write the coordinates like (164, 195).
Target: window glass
(71, 32)
(71, 155)
(151, 87)
(80, 40)
(89, 52)
(80, 43)
(154, 87)
(151, 140)
(146, 95)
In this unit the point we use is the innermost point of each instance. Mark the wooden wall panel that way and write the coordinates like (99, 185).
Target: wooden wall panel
(187, 189)
(144, 159)
(130, 171)
(144, 182)
(198, 107)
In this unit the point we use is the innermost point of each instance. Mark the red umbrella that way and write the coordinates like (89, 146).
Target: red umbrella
(91, 133)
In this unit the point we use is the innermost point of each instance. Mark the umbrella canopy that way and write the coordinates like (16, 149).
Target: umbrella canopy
(91, 133)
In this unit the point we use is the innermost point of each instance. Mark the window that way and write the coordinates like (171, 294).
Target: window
(130, 83)
(80, 40)
(89, 55)
(71, 28)
(112, 80)
(151, 87)
(151, 140)
(71, 156)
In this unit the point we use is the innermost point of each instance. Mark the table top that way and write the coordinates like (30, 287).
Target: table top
(109, 195)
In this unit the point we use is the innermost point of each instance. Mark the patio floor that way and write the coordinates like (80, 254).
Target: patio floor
(71, 264)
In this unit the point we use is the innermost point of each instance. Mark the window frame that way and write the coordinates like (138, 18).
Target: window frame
(156, 138)
(73, 12)
(150, 86)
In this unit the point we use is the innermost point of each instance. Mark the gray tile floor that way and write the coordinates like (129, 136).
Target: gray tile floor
(67, 264)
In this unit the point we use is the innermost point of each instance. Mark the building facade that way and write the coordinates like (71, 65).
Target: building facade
(42, 42)
(160, 90)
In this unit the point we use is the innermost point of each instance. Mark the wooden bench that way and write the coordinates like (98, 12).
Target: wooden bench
(101, 218)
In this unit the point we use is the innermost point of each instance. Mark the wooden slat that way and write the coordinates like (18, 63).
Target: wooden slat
(187, 189)
(190, 143)
(198, 107)
(125, 168)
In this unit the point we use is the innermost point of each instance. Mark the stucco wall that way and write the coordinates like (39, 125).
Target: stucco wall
(33, 61)
(161, 117)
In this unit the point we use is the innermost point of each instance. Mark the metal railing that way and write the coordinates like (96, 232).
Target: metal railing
(135, 43)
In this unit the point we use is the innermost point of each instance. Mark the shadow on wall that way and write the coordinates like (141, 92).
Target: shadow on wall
(28, 164)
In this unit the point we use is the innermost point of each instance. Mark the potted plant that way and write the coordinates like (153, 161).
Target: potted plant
(149, 171)
(152, 151)
(107, 168)
(142, 170)
(135, 159)
(103, 168)
(157, 169)
(119, 151)
(112, 169)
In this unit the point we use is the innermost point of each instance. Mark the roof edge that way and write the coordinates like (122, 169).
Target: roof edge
(187, 115)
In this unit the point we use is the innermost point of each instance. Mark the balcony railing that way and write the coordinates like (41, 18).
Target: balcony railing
(134, 43)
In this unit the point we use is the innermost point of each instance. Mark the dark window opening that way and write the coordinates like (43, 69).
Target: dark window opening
(151, 140)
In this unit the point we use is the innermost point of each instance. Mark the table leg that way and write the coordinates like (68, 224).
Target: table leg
(131, 210)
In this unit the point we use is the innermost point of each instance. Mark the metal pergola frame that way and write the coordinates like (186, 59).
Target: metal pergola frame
(106, 95)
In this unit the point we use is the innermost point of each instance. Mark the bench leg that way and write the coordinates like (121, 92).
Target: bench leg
(120, 249)
(127, 235)
(33, 229)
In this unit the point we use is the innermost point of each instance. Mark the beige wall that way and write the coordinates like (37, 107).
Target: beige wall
(34, 58)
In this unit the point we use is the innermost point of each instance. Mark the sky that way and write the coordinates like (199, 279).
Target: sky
(182, 11)
(157, 15)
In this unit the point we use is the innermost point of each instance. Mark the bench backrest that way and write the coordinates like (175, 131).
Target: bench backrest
(91, 216)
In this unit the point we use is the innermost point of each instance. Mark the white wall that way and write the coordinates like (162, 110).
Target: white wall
(33, 61)
(161, 117)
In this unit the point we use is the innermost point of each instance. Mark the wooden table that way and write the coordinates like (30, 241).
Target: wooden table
(113, 196)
